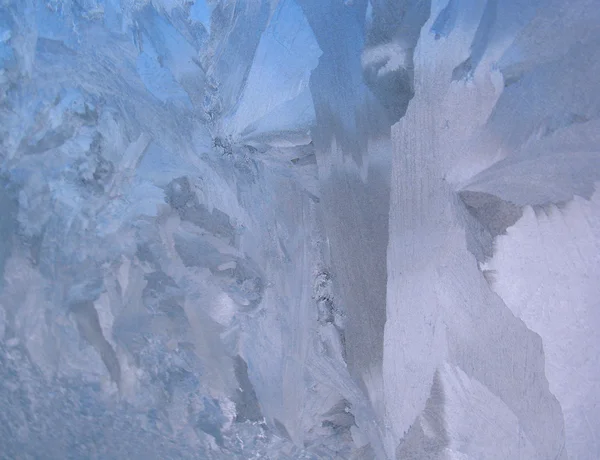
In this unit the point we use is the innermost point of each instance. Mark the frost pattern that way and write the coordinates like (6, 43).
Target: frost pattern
(304, 229)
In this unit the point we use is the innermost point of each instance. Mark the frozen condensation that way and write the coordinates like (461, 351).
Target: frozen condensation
(300, 229)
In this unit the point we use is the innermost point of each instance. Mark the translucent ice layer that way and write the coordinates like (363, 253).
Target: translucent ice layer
(300, 229)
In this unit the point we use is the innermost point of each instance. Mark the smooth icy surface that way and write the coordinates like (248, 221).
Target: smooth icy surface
(307, 229)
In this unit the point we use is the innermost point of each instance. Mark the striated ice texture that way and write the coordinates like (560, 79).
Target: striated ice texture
(300, 229)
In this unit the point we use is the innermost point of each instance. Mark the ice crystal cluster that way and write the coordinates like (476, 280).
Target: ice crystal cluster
(300, 229)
